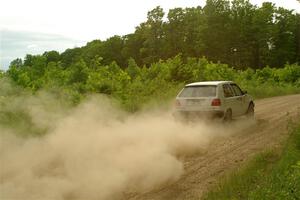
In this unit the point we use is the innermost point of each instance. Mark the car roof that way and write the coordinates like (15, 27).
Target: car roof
(208, 83)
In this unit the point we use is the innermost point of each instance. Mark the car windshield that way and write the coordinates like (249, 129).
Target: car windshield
(199, 91)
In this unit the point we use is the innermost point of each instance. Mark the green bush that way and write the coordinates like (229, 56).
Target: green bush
(134, 86)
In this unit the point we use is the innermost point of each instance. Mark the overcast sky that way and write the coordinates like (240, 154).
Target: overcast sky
(35, 26)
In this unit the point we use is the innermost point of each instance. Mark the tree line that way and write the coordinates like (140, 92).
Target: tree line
(234, 32)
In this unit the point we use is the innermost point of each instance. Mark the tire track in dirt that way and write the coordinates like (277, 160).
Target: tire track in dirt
(224, 154)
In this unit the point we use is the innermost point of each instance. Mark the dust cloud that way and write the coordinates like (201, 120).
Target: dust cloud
(97, 151)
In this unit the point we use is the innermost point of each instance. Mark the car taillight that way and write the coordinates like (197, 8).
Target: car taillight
(177, 103)
(216, 102)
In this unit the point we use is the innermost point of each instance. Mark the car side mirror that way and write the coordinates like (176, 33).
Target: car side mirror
(245, 92)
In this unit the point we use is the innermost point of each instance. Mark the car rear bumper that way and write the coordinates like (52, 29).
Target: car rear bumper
(213, 114)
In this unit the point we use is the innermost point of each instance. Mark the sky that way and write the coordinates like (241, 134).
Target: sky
(36, 26)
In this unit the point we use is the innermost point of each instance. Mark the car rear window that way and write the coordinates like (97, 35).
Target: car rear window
(199, 91)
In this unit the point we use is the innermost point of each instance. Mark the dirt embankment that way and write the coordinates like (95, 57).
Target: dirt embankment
(203, 170)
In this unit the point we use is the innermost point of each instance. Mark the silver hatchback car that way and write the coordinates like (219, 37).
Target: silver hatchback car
(213, 99)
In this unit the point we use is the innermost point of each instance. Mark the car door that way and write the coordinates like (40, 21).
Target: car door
(239, 99)
(230, 99)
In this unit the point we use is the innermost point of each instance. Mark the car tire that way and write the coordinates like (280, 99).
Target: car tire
(250, 111)
(227, 116)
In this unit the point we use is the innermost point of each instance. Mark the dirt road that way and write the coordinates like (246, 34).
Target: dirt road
(203, 170)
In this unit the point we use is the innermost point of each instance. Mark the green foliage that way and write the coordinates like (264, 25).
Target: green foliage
(52, 56)
(271, 175)
(133, 70)
(1, 74)
(284, 180)
(135, 86)
(13, 113)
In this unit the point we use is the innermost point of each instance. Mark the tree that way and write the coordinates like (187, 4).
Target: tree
(263, 29)
(216, 31)
(71, 56)
(153, 34)
(112, 51)
(52, 56)
(175, 32)
(78, 72)
(240, 37)
(132, 45)
(194, 32)
(297, 33)
(91, 51)
(284, 38)
(18, 63)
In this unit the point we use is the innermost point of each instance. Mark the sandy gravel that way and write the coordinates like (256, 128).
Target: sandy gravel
(203, 170)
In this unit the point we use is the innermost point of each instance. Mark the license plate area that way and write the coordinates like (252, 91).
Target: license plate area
(195, 102)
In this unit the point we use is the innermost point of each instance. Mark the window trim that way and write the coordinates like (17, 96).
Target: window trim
(234, 84)
(230, 88)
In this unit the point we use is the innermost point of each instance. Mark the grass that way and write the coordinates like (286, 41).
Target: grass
(267, 89)
(274, 174)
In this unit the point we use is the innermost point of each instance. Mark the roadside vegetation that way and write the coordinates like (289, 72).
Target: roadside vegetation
(135, 86)
(274, 174)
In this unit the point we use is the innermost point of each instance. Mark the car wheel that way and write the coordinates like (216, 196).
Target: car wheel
(250, 111)
(228, 116)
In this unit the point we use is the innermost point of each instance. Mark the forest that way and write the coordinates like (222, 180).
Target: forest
(233, 32)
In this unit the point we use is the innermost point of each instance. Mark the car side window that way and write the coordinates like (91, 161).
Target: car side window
(237, 90)
(227, 91)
